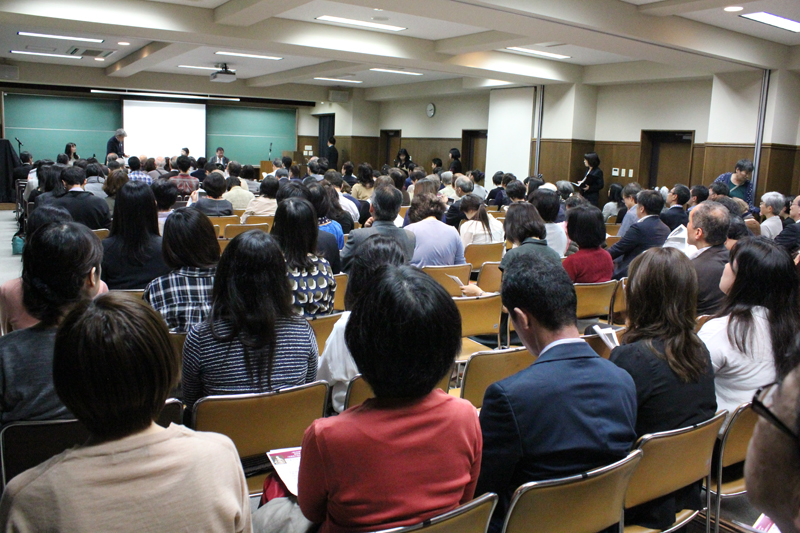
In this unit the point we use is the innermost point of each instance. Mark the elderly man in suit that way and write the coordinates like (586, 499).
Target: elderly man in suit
(569, 412)
(647, 233)
(708, 230)
(385, 207)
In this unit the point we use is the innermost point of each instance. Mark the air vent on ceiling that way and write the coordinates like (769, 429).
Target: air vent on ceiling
(89, 52)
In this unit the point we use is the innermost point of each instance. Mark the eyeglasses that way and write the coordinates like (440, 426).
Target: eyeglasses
(762, 401)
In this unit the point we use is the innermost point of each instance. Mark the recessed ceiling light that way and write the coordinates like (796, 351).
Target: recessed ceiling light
(538, 53)
(338, 80)
(376, 9)
(774, 20)
(360, 23)
(166, 95)
(62, 37)
(733, 9)
(215, 69)
(390, 71)
(255, 56)
(124, 43)
(99, 59)
(45, 55)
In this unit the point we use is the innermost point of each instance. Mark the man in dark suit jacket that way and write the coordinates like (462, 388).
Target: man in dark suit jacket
(220, 158)
(569, 412)
(708, 231)
(648, 232)
(84, 207)
(333, 154)
(21, 173)
(454, 216)
(115, 144)
(385, 207)
(789, 238)
(676, 215)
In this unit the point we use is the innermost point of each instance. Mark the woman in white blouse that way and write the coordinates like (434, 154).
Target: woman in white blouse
(480, 227)
(755, 329)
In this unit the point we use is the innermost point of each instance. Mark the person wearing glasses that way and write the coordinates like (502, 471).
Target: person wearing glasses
(752, 333)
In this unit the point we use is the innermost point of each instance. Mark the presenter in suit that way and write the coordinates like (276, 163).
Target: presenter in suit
(220, 158)
(591, 184)
(570, 411)
(115, 144)
(647, 233)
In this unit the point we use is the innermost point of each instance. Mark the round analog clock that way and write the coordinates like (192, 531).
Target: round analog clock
(430, 110)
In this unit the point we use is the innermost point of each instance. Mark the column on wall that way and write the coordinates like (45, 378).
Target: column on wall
(511, 122)
(780, 163)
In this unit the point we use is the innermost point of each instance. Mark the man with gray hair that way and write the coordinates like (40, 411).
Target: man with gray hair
(708, 230)
(384, 209)
(771, 205)
(464, 186)
(115, 143)
(447, 181)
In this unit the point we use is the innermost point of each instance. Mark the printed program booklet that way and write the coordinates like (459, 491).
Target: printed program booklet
(287, 465)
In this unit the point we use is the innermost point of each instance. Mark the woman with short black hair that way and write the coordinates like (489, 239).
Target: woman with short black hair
(365, 186)
(412, 444)
(311, 276)
(526, 231)
(214, 205)
(591, 263)
(615, 203)
(191, 250)
(132, 255)
(114, 367)
(252, 340)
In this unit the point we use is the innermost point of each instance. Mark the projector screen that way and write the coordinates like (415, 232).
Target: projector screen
(163, 128)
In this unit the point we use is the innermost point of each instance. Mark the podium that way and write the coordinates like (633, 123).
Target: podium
(266, 167)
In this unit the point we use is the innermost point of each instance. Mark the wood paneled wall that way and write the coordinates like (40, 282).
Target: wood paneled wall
(423, 150)
(776, 170)
(358, 150)
(721, 158)
(561, 159)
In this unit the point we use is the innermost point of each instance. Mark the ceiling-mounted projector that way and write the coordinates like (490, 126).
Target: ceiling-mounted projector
(223, 75)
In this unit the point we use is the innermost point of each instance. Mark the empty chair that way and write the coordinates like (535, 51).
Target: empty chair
(490, 277)
(478, 254)
(479, 316)
(441, 274)
(322, 326)
(594, 299)
(274, 420)
(232, 230)
(485, 368)
(583, 503)
(472, 517)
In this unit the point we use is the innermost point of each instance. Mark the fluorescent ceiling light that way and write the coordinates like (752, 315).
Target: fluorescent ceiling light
(360, 23)
(774, 20)
(255, 56)
(215, 69)
(338, 80)
(390, 71)
(733, 9)
(124, 43)
(167, 95)
(62, 37)
(538, 53)
(99, 59)
(45, 55)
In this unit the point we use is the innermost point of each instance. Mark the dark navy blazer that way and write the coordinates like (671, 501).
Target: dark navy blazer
(645, 234)
(569, 412)
(674, 217)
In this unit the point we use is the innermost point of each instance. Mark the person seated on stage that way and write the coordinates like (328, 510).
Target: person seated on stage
(132, 255)
(590, 400)
(412, 444)
(669, 364)
(648, 232)
(166, 193)
(114, 367)
(237, 194)
(266, 204)
(708, 227)
(771, 206)
(591, 263)
(675, 215)
(60, 267)
(84, 207)
(186, 183)
(213, 205)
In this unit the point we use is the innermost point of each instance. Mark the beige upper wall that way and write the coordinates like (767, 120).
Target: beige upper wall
(453, 114)
(734, 108)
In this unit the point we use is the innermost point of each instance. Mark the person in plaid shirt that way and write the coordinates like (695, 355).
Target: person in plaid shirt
(191, 250)
(186, 183)
(136, 173)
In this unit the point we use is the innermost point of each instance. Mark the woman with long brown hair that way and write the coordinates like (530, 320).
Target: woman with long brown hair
(669, 364)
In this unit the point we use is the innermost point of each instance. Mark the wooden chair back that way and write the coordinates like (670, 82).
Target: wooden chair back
(133, 293)
(619, 305)
(611, 241)
(732, 450)
(583, 503)
(101, 233)
(224, 221)
(260, 219)
(238, 213)
(700, 322)
(223, 243)
(232, 230)
(341, 290)
(612, 228)
(485, 368)
(478, 254)
(599, 346)
(490, 277)
(594, 299)
(440, 273)
(479, 315)
(216, 228)
(358, 390)
(403, 211)
(612, 219)
(172, 413)
(472, 517)
(322, 326)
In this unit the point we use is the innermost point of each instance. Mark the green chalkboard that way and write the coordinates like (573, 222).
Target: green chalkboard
(45, 124)
(246, 132)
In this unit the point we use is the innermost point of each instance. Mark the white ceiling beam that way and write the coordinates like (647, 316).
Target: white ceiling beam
(147, 57)
(330, 69)
(638, 72)
(249, 12)
(480, 42)
(667, 8)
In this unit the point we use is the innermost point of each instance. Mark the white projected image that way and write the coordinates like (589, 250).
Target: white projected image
(163, 128)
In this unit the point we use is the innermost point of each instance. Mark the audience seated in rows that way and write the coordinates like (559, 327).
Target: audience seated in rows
(336, 212)
(95, 179)
(547, 203)
(186, 183)
(570, 411)
(322, 206)
(479, 227)
(191, 250)
(265, 204)
(771, 207)
(49, 185)
(709, 223)
(614, 204)
(252, 341)
(455, 215)
(114, 182)
(515, 193)
(132, 255)
(136, 173)
(631, 216)
(675, 214)
(437, 243)
(789, 238)
(669, 364)
(213, 204)
(236, 195)
(647, 233)
(751, 335)
(699, 194)
(347, 202)
(84, 207)
(364, 187)
(113, 368)
(310, 275)
(525, 229)
(166, 193)
(591, 263)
